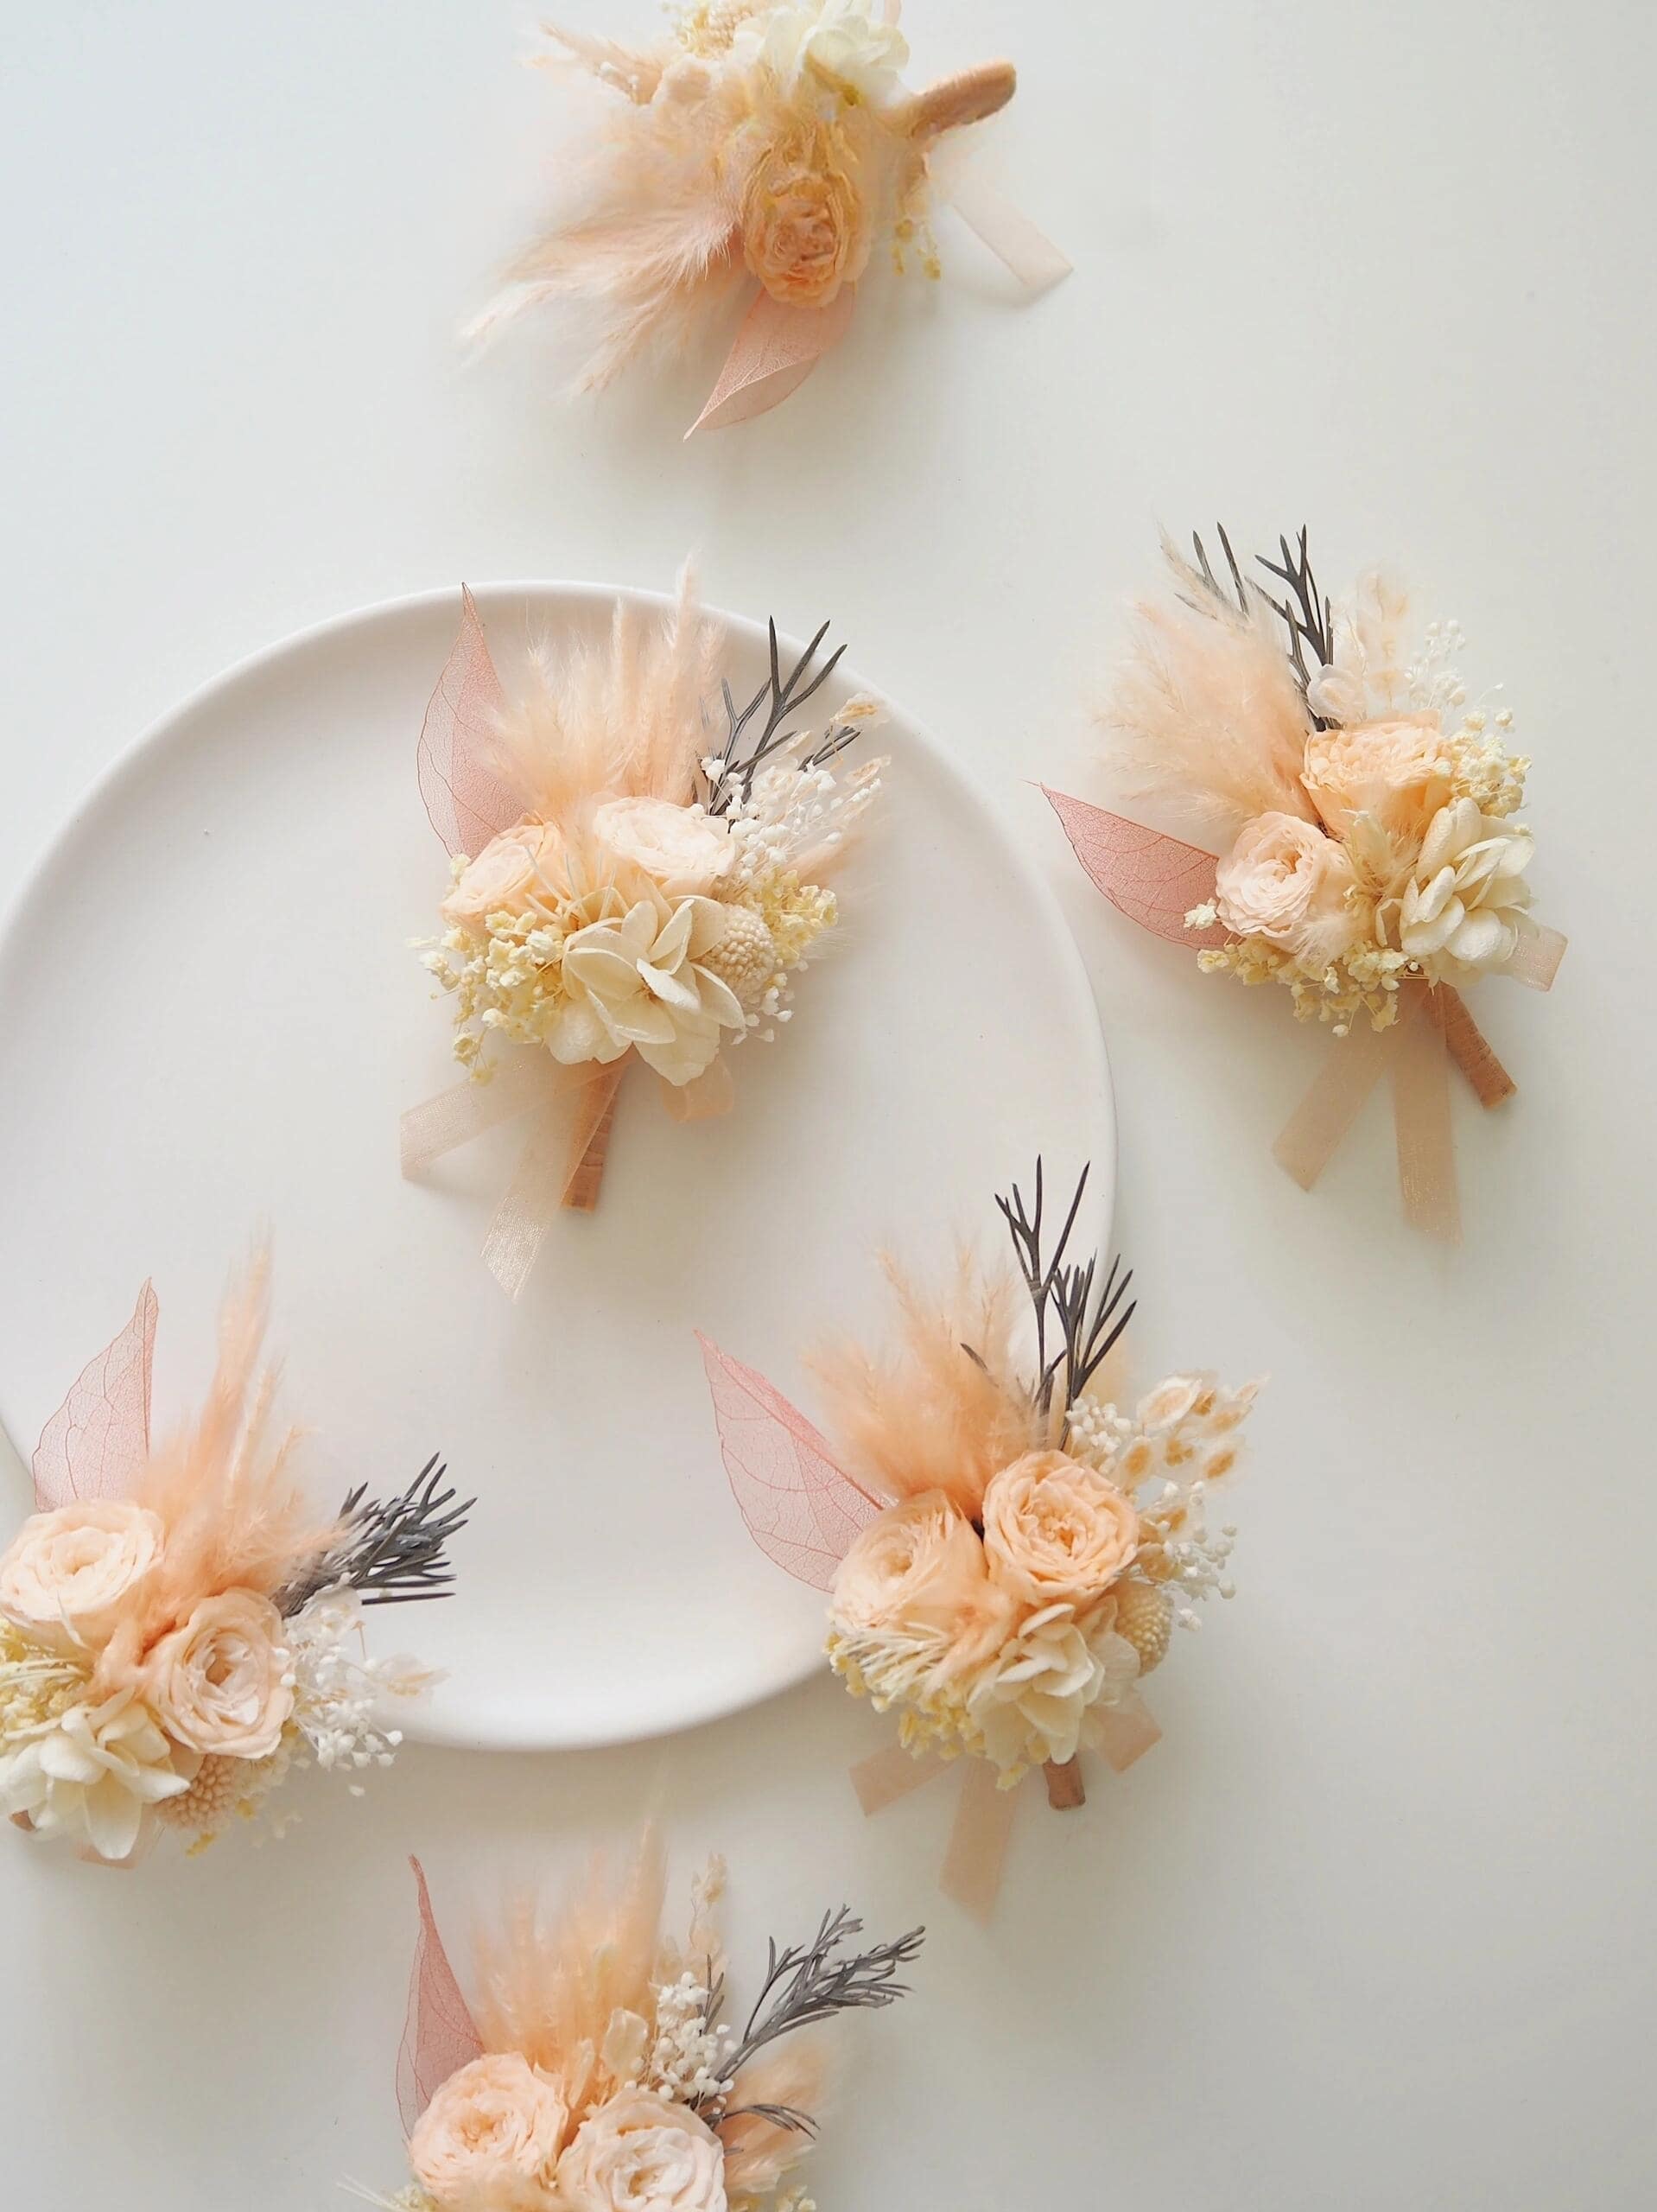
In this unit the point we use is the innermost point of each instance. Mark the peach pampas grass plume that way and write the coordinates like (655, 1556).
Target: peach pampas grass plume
(1205, 712)
(235, 1518)
(943, 1412)
(552, 1977)
(620, 716)
(645, 238)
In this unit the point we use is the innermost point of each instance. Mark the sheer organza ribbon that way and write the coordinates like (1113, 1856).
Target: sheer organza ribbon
(975, 1860)
(562, 1164)
(1156, 880)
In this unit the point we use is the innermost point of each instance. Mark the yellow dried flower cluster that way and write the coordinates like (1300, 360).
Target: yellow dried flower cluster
(506, 970)
(36, 1686)
(1362, 981)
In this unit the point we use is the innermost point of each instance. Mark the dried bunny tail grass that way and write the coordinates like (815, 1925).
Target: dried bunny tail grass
(636, 71)
(945, 1412)
(624, 716)
(552, 1976)
(235, 1518)
(1206, 714)
(792, 2075)
(647, 246)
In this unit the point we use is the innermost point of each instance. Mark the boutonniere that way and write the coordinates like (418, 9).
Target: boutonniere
(1372, 863)
(181, 1626)
(770, 150)
(605, 2066)
(631, 884)
(1007, 1551)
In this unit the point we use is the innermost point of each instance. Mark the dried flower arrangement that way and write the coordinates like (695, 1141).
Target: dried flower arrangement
(624, 887)
(598, 2072)
(1374, 867)
(761, 143)
(1006, 1552)
(179, 1627)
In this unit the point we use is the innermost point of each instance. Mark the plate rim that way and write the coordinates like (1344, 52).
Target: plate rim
(430, 1726)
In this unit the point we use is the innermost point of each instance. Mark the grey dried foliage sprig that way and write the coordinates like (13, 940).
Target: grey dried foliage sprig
(1306, 613)
(812, 1982)
(1078, 1319)
(751, 741)
(391, 1551)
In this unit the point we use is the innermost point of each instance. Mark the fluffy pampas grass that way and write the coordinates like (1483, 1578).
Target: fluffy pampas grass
(943, 1412)
(554, 1975)
(235, 1516)
(652, 218)
(624, 716)
(1206, 715)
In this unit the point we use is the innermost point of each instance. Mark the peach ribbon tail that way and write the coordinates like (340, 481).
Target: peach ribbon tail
(1415, 1051)
(1426, 1143)
(890, 1774)
(558, 1167)
(773, 352)
(711, 1093)
(977, 1858)
(1008, 232)
(1536, 963)
(1125, 1732)
(454, 1116)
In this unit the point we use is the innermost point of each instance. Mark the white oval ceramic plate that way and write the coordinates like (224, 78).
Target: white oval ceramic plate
(212, 1019)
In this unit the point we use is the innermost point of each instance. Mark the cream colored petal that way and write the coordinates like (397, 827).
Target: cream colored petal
(113, 1817)
(1483, 939)
(642, 1022)
(672, 989)
(600, 969)
(69, 1759)
(670, 945)
(718, 999)
(577, 1034)
(708, 923)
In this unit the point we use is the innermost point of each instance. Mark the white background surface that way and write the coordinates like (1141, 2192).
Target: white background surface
(1373, 1925)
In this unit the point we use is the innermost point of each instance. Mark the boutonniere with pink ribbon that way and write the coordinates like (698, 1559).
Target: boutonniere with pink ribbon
(181, 1627)
(769, 150)
(605, 2066)
(1371, 860)
(1008, 1552)
(627, 886)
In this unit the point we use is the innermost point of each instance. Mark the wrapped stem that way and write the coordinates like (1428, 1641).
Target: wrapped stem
(589, 1140)
(1065, 1788)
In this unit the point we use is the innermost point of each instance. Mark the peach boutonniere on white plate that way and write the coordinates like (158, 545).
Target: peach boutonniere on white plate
(640, 870)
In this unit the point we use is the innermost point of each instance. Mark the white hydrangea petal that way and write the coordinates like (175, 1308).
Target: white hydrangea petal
(671, 989)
